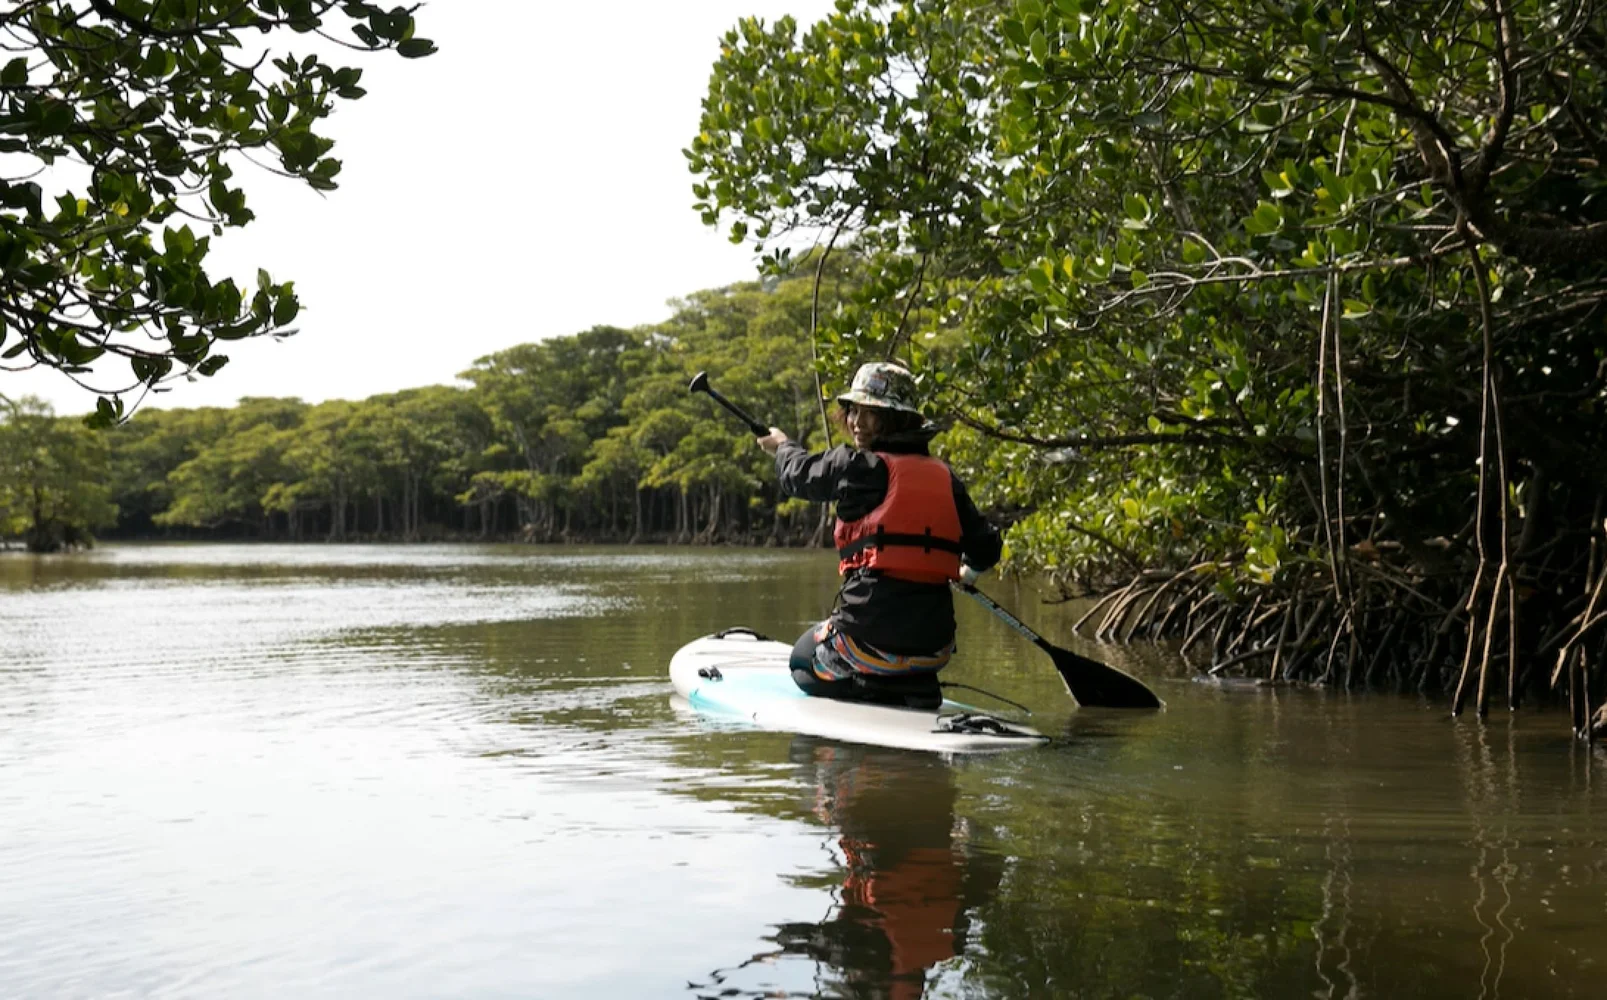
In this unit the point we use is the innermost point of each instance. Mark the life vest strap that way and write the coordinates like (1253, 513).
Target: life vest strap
(881, 539)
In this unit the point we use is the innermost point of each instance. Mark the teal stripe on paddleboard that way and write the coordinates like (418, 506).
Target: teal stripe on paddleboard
(745, 694)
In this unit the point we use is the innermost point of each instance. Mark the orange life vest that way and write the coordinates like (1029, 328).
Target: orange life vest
(914, 534)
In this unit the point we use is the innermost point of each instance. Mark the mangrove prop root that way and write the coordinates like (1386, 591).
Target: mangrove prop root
(1186, 600)
(1098, 605)
(1144, 613)
(1498, 595)
(1586, 620)
(1247, 655)
(1278, 651)
(1250, 617)
(1118, 613)
(1467, 633)
(1199, 629)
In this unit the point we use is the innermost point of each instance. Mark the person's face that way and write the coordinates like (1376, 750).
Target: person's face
(864, 423)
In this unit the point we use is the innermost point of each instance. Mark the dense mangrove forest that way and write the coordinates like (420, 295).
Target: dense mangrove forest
(590, 437)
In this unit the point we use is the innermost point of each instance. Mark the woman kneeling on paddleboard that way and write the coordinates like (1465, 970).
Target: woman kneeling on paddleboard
(905, 528)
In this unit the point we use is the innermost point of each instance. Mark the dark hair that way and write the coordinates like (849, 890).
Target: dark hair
(893, 422)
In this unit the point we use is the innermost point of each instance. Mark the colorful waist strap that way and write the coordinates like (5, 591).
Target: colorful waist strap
(869, 660)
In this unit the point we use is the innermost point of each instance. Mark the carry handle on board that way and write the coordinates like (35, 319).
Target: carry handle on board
(1091, 683)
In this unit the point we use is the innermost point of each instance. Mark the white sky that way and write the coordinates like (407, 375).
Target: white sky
(525, 181)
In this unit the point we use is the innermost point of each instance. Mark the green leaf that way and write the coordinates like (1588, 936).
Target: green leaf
(180, 242)
(285, 310)
(1277, 184)
(1266, 218)
(1040, 47)
(180, 295)
(150, 370)
(415, 48)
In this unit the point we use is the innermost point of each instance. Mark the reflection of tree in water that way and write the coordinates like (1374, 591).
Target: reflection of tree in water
(906, 878)
(1490, 792)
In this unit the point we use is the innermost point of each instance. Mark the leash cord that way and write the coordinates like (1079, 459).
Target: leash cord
(945, 685)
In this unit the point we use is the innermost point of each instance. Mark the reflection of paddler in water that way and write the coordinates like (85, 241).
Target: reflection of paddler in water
(909, 881)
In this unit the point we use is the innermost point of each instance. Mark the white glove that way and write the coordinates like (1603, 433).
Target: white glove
(969, 576)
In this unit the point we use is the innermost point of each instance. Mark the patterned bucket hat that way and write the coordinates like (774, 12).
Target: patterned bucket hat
(882, 384)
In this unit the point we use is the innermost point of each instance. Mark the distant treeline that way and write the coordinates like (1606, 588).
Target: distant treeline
(585, 437)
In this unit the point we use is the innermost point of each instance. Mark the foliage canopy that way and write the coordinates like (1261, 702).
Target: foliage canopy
(141, 111)
(53, 489)
(590, 436)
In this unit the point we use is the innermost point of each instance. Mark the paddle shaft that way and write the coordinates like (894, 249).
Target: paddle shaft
(1015, 623)
(701, 384)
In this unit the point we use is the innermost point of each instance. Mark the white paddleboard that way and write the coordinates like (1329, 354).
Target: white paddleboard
(739, 674)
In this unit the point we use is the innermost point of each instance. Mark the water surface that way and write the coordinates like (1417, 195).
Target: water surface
(456, 771)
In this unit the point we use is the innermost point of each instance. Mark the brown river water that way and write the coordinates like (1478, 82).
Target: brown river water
(265, 771)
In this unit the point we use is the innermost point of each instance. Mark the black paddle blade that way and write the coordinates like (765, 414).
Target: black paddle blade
(1091, 683)
(1099, 685)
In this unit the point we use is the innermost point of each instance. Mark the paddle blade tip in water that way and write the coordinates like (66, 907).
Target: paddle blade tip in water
(1097, 685)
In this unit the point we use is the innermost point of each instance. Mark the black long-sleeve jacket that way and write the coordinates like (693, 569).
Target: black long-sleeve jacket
(895, 616)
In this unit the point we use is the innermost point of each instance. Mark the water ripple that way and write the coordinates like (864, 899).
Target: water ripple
(391, 771)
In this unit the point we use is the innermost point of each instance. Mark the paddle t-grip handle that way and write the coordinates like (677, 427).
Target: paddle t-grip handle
(700, 383)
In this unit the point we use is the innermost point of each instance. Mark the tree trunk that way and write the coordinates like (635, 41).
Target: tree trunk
(337, 516)
(821, 529)
(711, 528)
(413, 481)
